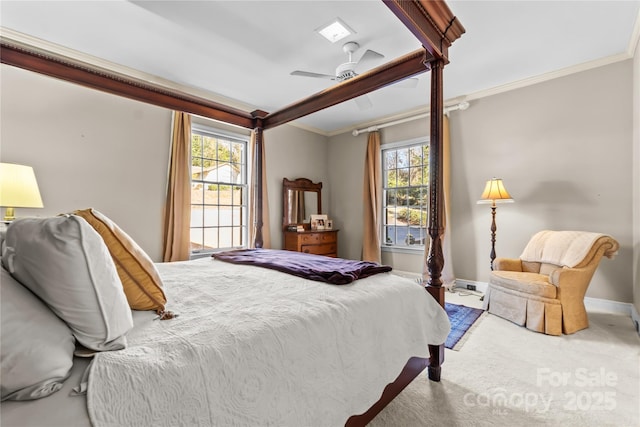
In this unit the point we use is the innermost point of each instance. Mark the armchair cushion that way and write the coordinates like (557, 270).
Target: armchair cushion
(528, 283)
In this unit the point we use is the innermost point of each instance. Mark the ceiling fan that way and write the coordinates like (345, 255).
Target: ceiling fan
(348, 69)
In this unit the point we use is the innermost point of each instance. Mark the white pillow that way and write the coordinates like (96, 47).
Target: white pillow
(64, 261)
(36, 346)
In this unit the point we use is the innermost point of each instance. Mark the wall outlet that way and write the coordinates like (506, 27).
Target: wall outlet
(471, 287)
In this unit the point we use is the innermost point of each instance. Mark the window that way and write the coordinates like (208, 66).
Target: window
(405, 176)
(219, 191)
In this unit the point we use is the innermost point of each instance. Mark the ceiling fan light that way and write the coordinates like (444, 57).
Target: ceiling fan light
(335, 30)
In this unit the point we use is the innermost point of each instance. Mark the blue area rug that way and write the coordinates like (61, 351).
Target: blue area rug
(461, 318)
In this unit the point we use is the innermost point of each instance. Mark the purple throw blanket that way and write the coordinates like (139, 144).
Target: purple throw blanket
(336, 271)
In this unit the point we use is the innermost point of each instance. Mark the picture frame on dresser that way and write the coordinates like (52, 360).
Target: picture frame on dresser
(318, 221)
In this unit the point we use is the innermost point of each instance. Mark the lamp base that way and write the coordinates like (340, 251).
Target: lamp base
(9, 215)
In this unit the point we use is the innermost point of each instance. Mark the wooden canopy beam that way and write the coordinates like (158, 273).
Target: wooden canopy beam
(91, 76)
(379, 77)
(431, 22)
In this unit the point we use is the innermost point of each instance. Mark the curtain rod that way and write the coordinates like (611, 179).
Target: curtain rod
(461, 106)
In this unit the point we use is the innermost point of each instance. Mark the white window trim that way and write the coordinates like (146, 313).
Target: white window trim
(413, 250)
(234, 137)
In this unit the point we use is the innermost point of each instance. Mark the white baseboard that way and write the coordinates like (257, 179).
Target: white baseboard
(608, 306)
(480, 286)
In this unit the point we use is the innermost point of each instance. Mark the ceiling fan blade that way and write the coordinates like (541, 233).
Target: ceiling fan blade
(363, 102)
(309, 74)
(407, 83)
(369, 58)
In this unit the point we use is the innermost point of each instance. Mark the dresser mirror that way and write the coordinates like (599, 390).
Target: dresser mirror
(302, 198)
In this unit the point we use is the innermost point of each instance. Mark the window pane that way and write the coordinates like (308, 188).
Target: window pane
(226, 216)
(236, 215)
(236, 233)
(209, 148)
(210, 216)
(424, 198)
(197, 216)
(236, 198)
(402, 198)
(403, 158)
(414, 197)
(225, 196)
(238, 153)
(225, 237)
(416, 156)
(211, 194)
(390, 215)
(416, 176)
(390, 159)
(210, 170)
(416, 232)
(196, 239)
(197, 193)
(211, 238)
(403, 177)
(391, 197)
(391, 178)
(389, 235)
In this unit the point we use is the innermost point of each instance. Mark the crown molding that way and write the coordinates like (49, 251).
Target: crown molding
(518, 84)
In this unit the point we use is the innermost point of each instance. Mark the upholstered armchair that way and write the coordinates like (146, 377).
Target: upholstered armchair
(544, 289)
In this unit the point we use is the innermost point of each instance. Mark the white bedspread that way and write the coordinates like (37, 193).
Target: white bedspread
(254, 347)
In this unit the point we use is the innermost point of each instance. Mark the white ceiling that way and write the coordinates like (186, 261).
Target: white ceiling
(245, 50)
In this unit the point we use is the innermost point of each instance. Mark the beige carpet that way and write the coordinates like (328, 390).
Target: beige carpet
(506, 375)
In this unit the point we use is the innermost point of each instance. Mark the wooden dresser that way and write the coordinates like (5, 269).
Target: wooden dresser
(312, 242)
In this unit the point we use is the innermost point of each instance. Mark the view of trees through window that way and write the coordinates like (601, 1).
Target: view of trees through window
(218, 191)
(406, 194)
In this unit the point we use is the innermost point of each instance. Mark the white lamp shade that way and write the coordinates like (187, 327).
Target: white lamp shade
(18, 187)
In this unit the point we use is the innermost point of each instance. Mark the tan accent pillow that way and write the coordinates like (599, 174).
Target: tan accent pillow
(139, 276)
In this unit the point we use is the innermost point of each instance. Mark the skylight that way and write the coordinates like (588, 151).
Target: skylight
(335, 30)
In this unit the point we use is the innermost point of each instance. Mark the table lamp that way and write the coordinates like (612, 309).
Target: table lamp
(18, 189)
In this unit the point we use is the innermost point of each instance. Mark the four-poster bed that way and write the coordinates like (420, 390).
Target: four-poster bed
(433, 25)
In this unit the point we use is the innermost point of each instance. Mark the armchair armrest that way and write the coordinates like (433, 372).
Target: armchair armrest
(508, 264)
(572, 283)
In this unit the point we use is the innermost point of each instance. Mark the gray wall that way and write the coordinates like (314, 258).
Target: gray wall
(92, 149)
(564, 150)
(88, 149)
(294, 153)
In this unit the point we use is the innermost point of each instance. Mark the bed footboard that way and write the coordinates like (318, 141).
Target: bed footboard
(411, 370)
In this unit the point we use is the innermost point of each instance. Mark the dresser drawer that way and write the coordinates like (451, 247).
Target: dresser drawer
(309, 238)
(313, 238)
(320, 249)
(312, 242)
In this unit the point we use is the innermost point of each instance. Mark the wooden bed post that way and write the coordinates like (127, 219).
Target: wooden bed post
(258, 182)
(435, 258)
(258, 116)
(258, 177)
(436, 28)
